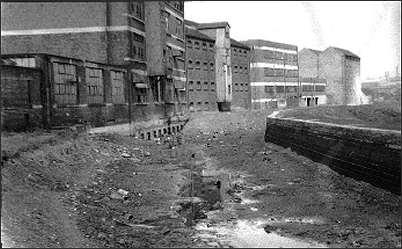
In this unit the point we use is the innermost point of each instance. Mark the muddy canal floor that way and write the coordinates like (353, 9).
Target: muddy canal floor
(216, 185)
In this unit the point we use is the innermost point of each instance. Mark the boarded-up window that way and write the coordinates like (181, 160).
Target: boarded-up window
(280, 89)
(117, 79)
(272, 72)
(320, 88)
(65, 83)
(291, 73)
(291, 89)
(269, 89)
(308, 88)
(169, 91)
(94, 80)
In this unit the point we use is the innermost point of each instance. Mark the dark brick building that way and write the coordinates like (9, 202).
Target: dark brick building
(274, 74)
(240, 56)
(200, 59)
(143, 39)
(212, 76)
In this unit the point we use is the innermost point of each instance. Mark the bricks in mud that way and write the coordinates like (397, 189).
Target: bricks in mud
(203, 195)
(370, 155)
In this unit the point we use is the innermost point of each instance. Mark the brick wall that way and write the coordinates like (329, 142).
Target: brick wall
(240, 78)
(351, 76)
(308, 64)
(21, 99)
(366, 154)
(331, 69)
(202, 97)
(86, 46)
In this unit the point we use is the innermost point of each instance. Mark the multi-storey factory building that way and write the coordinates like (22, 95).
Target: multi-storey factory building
(274, 74)
(121, 60)
(214, 61)
(200, 59)
(330, 77)
(312, 91)
(240, 54)
(341, 69)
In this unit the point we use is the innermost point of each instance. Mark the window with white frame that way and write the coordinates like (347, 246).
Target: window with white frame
(140, 93)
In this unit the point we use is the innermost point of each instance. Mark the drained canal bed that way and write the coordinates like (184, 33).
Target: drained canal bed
(214, 203)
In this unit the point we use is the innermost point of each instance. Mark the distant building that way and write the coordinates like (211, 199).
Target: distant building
(240, 56)
(200, 59)
(341, 69)
(214, 61)
(274, 73)
(312, 87)
(220, 32)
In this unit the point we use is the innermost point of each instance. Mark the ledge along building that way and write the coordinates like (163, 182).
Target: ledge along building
(100, 62)
(274, 74)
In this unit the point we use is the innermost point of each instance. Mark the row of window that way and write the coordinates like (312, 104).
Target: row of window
(280, 61)
(240, 85)
(197, 45)
(268, 54)
(198, 86)
(310, 88)
(197, 65)
(240, 69)
(239, 52)
(66, 87)
(272, 72)
(199, 106)
(173, 25)
(280, 89)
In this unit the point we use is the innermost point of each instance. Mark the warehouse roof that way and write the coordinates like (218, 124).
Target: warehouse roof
(213, 25)
(197, 34)
(317, 52)
(346, 52)
(190, 23)
(235, 43)
(259, 42)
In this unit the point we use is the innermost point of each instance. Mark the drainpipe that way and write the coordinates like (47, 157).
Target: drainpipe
(284, 79)
(130, 95)
(107, 24)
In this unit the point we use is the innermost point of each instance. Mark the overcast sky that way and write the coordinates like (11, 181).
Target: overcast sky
(370, 29)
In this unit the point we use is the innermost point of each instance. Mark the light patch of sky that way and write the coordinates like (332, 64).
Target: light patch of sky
(370, 29)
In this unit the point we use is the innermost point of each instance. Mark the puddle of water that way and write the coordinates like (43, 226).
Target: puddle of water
(246, 201)
(248, 234)
(306, 220)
